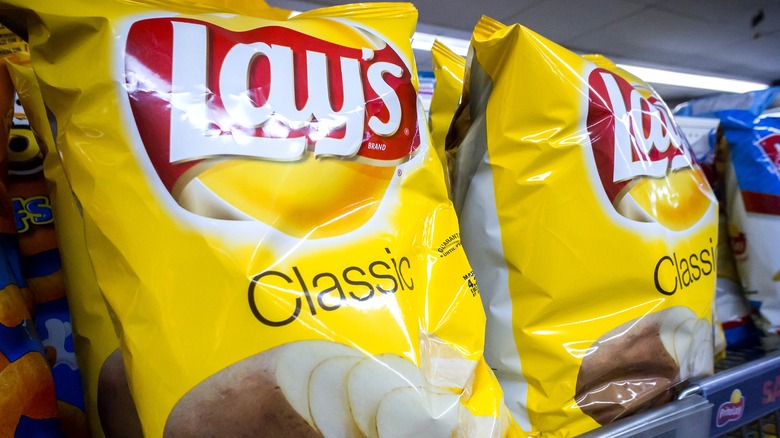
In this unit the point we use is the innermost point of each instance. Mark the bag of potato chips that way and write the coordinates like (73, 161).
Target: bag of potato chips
(448, 68)
(266, 219)
(752, 183)
(42, 270)
(93, 337)
(28, 403)
(590, 228)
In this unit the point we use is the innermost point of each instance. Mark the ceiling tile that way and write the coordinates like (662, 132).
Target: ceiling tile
(655, 36)
(760, 57)
(562, 20)
(733, 14)
(464, 15)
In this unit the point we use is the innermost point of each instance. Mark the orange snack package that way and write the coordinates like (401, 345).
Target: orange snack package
(28, 404)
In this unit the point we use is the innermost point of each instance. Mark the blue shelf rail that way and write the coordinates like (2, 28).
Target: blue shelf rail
(742, 399)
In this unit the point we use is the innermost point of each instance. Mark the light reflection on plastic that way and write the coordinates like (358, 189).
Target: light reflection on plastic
(579, 352)
(540, 177)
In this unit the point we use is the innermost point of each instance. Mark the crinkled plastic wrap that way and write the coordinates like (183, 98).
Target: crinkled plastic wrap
(42, 269)
(93, 337)
(448, 68)
(591, 230)
(266, 219)
(28, 401)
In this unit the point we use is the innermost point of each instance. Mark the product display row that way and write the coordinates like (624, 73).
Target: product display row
(222, 218)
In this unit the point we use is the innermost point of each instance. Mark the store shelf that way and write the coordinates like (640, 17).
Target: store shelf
(745, 396)
(742, 399)
(686, 418)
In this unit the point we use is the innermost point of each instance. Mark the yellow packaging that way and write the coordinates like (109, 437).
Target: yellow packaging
(93, 332)
(448, 69)
(591, 231)
(28, 401)
(266, 219)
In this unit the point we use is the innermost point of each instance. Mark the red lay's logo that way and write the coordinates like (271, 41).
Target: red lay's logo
(643, 162)
(199, 91)
(771, 146)
(631, 136)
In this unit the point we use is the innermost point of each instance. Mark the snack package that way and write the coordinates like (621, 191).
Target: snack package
(734, 311)
(41, 262)
(701, 133)
(448, 68)
(42, 270)
(739, 308)
(752, 183)
(28, 403)
(730, 311)
(591, 230)
(266, 220)
(754, 102)
(93, 336)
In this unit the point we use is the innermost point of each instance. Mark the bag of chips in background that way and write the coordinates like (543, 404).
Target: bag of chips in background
(752, 183)
(591, 231)
(747, 297)
(448, 68)
(261, 248)
(28, 403)
(96, 344)
(42, 270)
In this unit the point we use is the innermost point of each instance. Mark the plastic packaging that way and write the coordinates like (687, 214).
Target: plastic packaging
(752, 183)
(28, 403)
(266, 219)
(591, 230)
(93, 337)
(448, 68)
(43, 275)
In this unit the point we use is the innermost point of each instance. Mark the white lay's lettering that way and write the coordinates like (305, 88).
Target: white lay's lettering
(190, 113)
(388, 96)
(279, 114)
(630, 122)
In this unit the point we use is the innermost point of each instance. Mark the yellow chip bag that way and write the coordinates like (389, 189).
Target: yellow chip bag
(448, 69)
(266, 219)
(96, 343)
(591, 231)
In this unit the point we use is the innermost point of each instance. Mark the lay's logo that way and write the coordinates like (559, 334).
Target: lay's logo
(643, 162)
(771, 147)
(198, 91)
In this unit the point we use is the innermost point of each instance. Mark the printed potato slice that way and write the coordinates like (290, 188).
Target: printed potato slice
(670, 321)
(116, 408)
(693, 347)
(627, 369)
(296, 363)
(688, 339)
(263, 395)
(683, 346)
(373, 378)
(328, 398)
(407, 411)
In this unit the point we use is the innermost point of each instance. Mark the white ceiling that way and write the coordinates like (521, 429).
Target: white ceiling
(714, 37)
